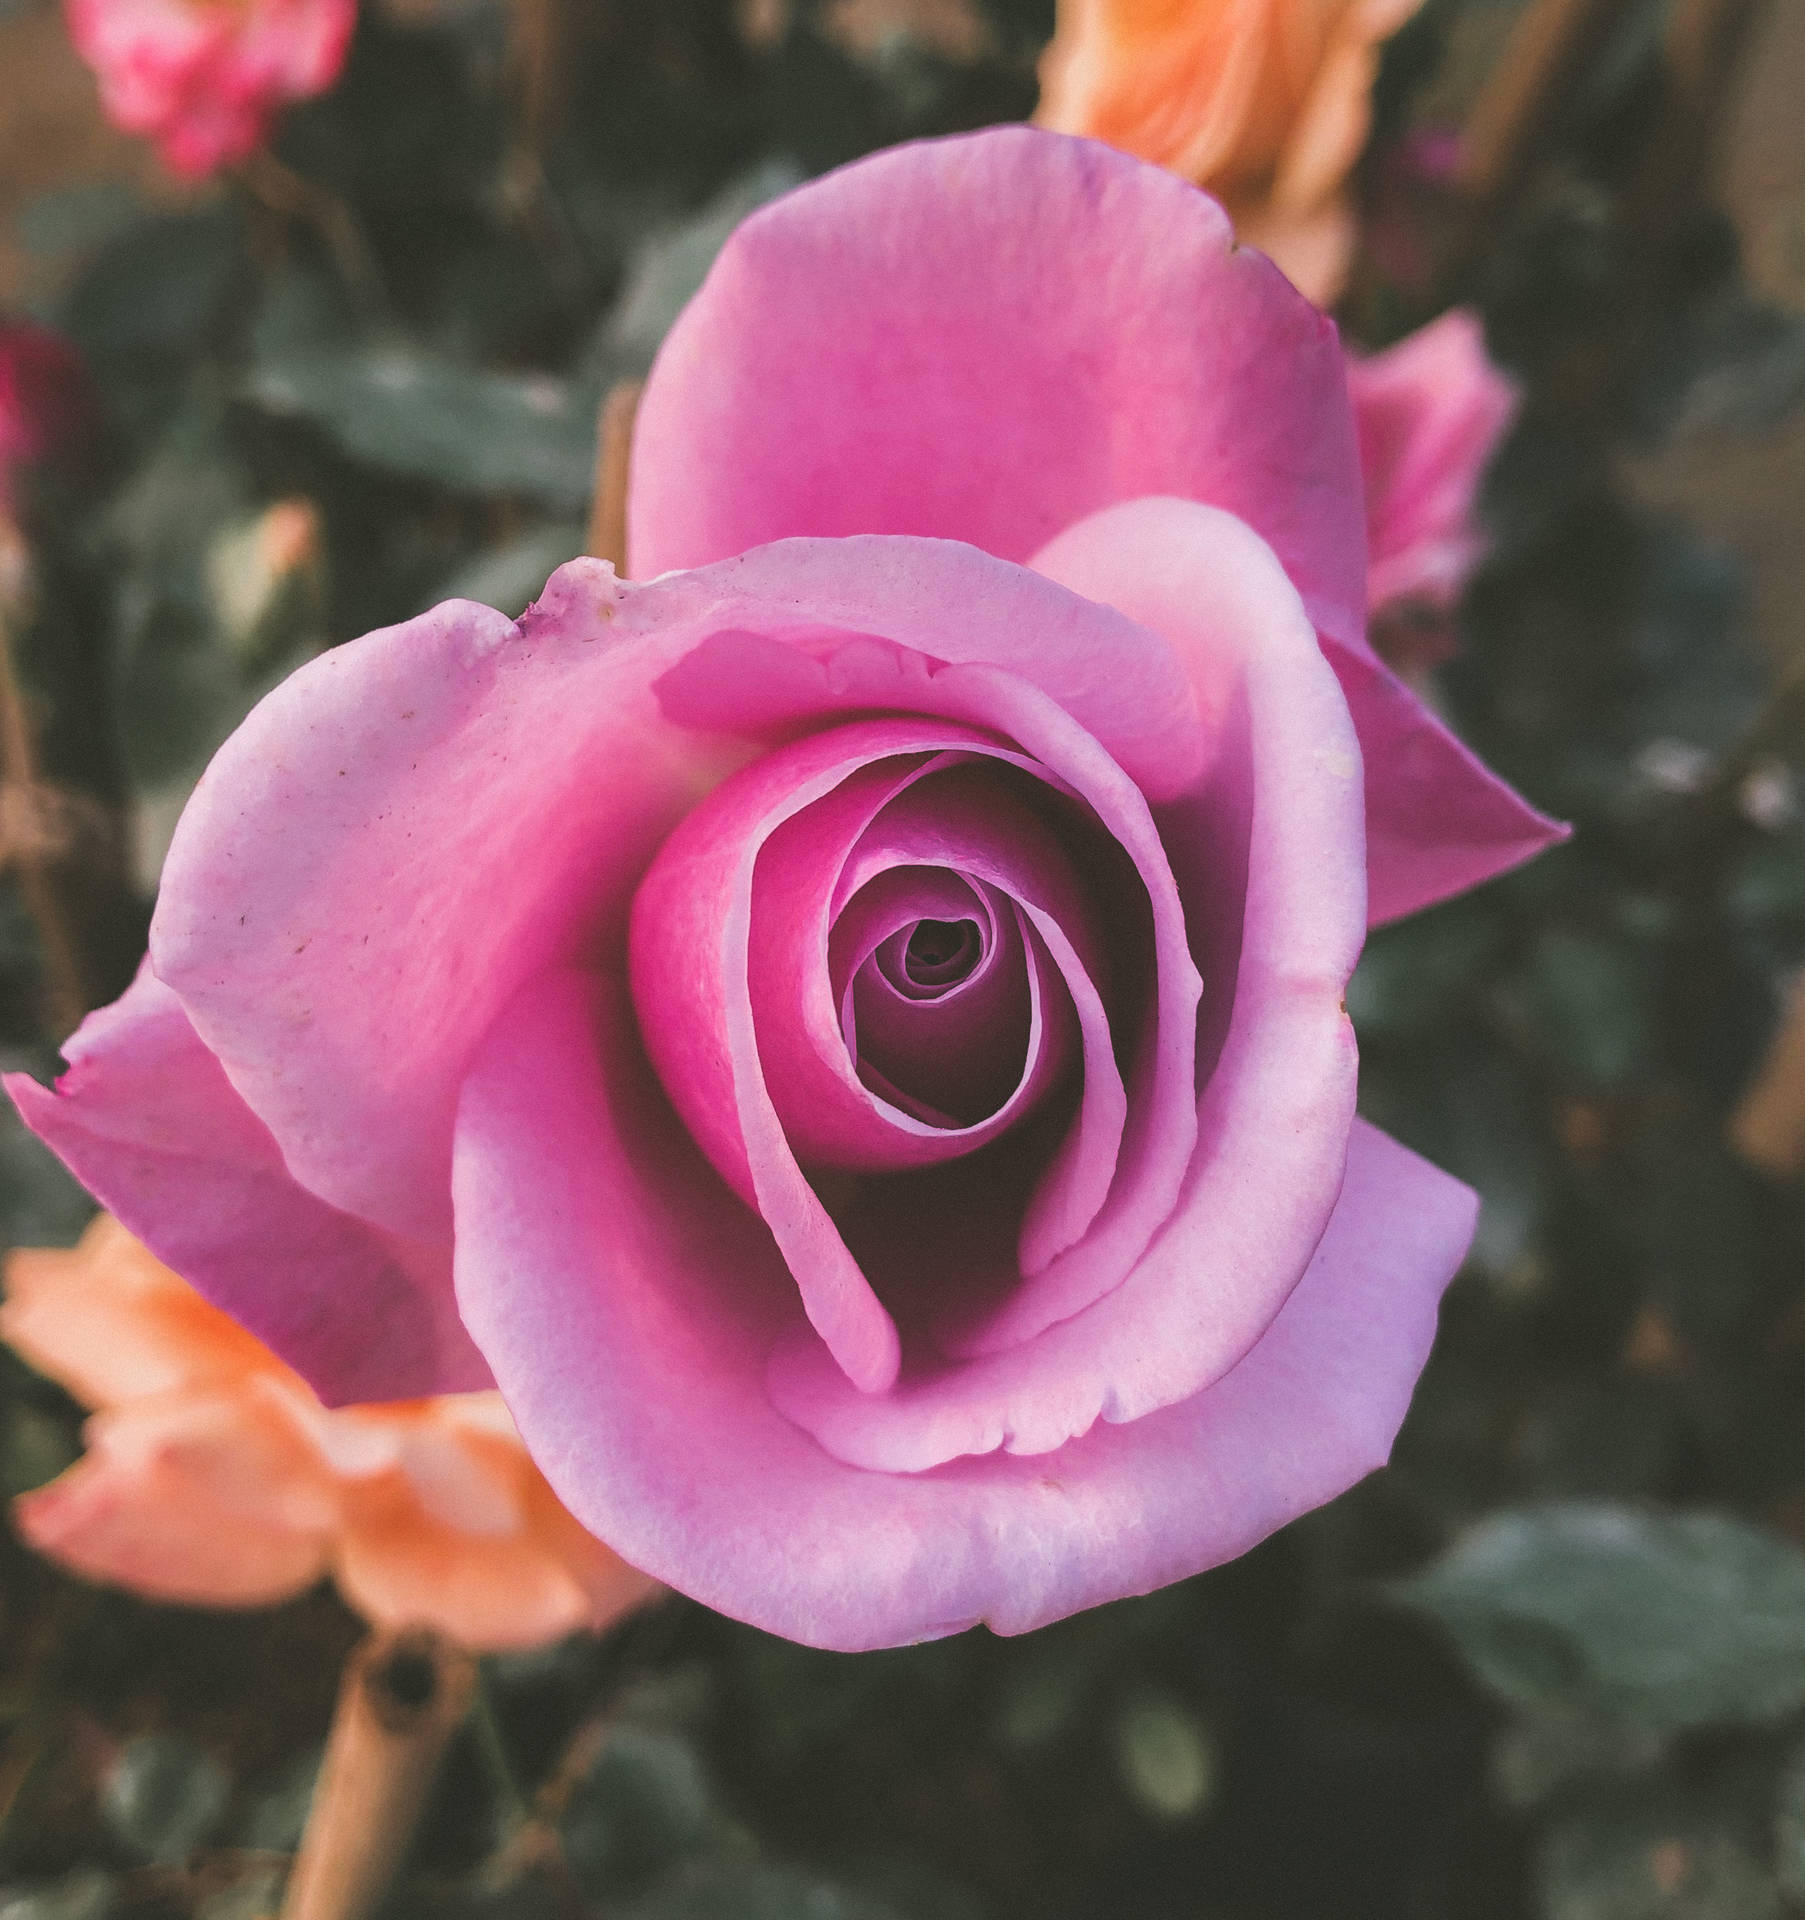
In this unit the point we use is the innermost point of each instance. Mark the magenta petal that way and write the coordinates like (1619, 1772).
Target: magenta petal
(792, 633)
(478, 798)
(895, 349)
(148, 1122)
(953, 821)
(1438, 820)
(830, 1116)
(625, 1299)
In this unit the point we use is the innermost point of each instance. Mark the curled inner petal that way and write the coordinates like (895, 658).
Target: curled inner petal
(952, 1051)
(933, 957)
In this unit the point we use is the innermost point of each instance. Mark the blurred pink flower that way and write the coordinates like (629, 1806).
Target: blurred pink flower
(1429, 411)
(204, 78)
(46, 403)
(1413, 207)
(214, 1476)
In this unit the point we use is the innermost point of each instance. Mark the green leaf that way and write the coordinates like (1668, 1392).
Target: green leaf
(474, 432)
(670, 266)
(1643, 1860)
(1588, 1004)
(1669, 1619)
(643, 1806)
(87, 1894)
(736, 1892)
(1789, 1824)
(164, 1796)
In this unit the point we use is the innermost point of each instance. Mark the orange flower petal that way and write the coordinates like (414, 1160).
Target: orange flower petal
(195, 1497)
(1267, 103)
(107, 1320)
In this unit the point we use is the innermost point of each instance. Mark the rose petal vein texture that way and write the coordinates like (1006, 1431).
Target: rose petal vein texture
(846, 1031)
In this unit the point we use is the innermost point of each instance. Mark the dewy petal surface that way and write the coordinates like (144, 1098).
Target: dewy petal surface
(625, 1298)
(987, 338)
(152, 1127)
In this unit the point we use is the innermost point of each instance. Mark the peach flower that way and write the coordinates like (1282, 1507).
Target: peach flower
(1266, 103)
(214, 1476)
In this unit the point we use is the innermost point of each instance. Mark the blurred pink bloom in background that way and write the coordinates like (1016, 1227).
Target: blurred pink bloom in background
(1430, 412)
(46, 404)
(204, 78)
(214, 1476)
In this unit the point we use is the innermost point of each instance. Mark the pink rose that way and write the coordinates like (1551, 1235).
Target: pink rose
(204, 78)
(856, 1017)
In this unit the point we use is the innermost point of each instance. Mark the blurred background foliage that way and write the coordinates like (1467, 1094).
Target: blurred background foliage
(1552, 1662)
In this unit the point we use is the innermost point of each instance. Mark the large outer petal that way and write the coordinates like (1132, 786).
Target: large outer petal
(149, 1123)
(625, 1299)
(897, 349)
(413, 825)
(987, 338)
(1437, 820)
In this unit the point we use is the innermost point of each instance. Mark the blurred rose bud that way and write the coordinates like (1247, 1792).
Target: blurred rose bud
(213, 1475)
(1265, 102)
(47, 408)
(1430, 412)
(266, 569)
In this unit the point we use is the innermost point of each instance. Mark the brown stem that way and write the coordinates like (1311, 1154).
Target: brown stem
(402, 1698)
(1528, 91)
(607, 536)
(1524, 101)
(295, 197)
(28, 813)
(1768, 1126)
(1704, 41)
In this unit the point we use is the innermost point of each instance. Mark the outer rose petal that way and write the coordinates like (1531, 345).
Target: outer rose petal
(483, 798)
(626, 1299)
(1437, 819)
(214, 1498)
(150, 1124)
(895, 349)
